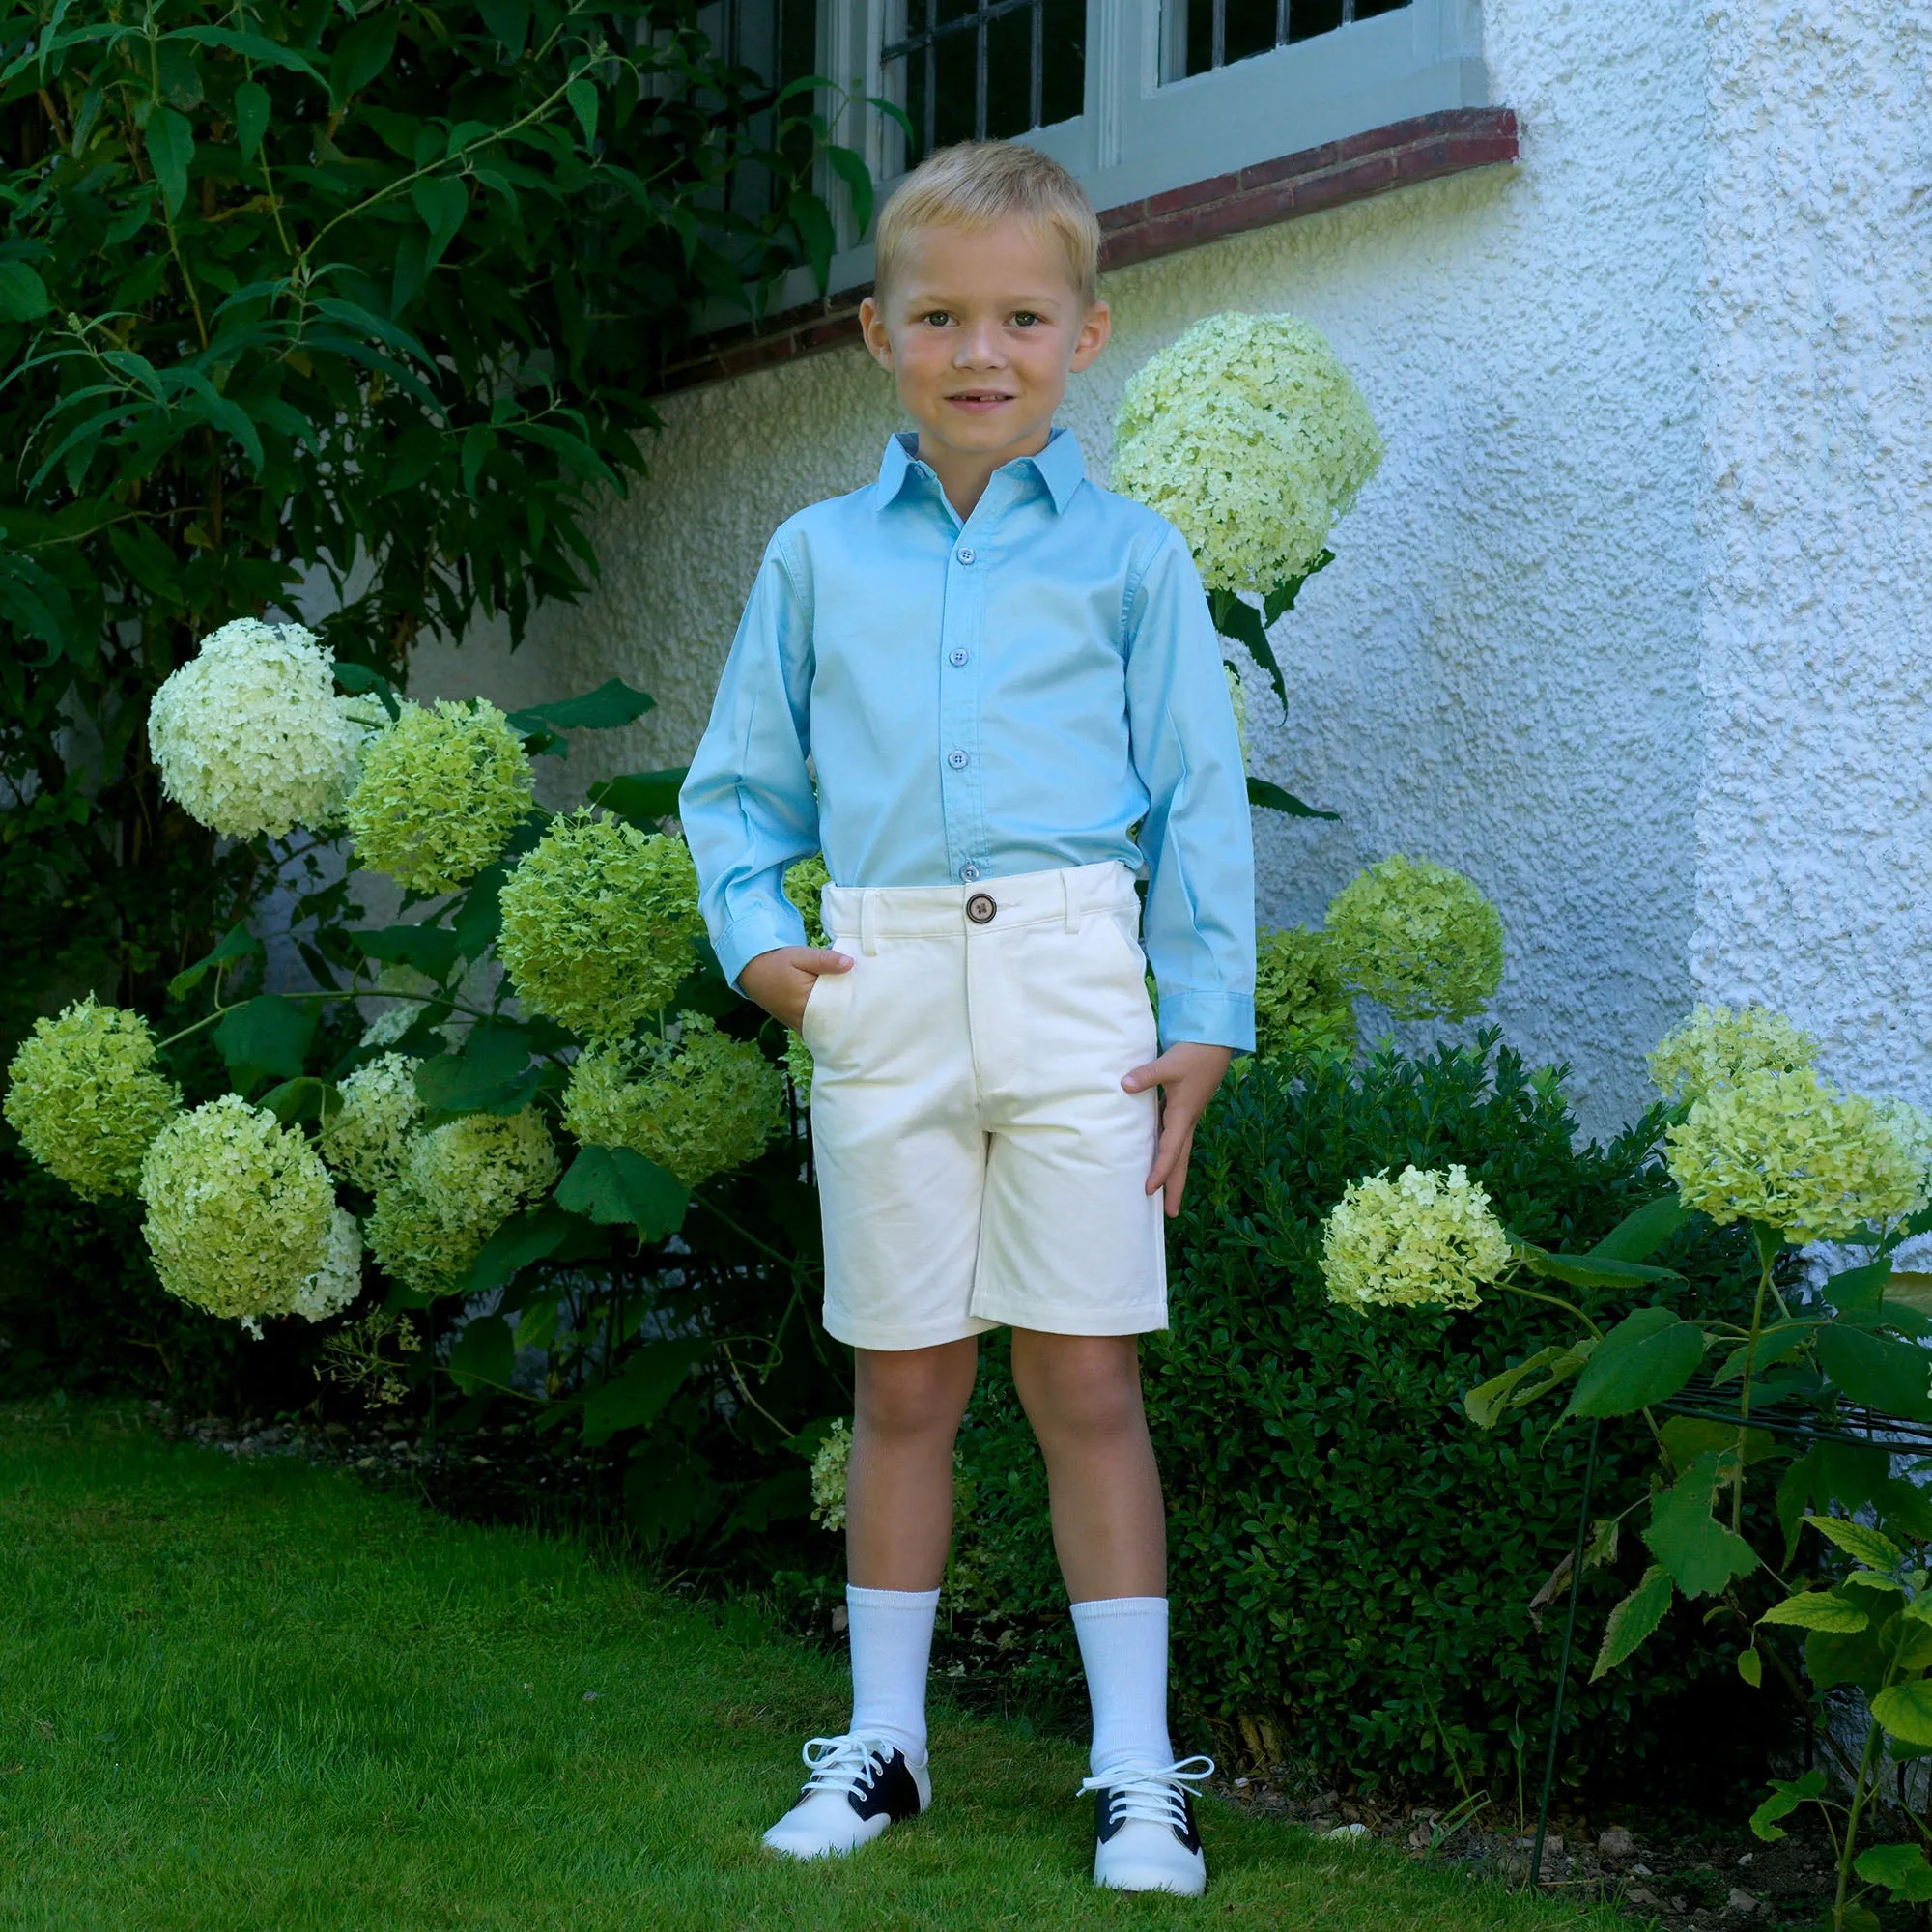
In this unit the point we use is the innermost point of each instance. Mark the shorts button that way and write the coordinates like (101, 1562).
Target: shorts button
(981, 908)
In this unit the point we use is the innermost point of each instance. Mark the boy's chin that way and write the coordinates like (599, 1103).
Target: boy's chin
(982, 433)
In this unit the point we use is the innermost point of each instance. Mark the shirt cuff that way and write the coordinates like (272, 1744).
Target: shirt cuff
(1211, 1019)
(756, 931)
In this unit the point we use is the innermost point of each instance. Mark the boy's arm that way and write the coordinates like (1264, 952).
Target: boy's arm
(1197, 836)
(747, 803)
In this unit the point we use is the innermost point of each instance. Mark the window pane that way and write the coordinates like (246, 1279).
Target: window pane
(1200, 16)
(1365, 8)
(1063, 71)
(1306, 17)
(1010, 75)
(1250, 29)
(958, 90)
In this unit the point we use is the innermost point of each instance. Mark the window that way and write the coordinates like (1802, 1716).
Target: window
(972, 74)
(1136, 96)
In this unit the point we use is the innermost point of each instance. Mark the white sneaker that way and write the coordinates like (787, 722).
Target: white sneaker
(1144, 1833)
(858, 1786)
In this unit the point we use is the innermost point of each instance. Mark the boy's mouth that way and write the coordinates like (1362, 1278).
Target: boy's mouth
(980, 401)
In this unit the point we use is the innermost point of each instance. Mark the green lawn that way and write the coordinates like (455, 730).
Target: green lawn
(260, 1695)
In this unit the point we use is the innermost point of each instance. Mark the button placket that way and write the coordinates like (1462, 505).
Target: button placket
(960, 632)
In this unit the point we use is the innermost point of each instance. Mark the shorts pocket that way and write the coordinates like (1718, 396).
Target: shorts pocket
(828, 992)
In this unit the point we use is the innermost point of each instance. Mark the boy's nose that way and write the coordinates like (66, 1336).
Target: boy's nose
(979, 349)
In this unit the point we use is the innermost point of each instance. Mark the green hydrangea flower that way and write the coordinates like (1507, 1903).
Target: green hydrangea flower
(460, 1183)
(598, 923)
(366, 1140)
(84, 1097)
(1419, 938)
(339, 1280)
(1301, 1004)
(1785, 1150)
(241, 1211)
(803, 884)
(698, 1108)
(829, 1466)
(1425, 1240)
(250, 736)
(1716, 1046)
(440, 792)
(1251, 437)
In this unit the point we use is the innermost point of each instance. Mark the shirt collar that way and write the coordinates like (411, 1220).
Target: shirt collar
(1060, 466)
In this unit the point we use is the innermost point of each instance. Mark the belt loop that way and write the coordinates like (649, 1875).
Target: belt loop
(868, 923)
(1068, 905)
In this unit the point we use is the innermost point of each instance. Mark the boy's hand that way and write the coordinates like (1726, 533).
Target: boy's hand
(1188, 1075)
(781, 980)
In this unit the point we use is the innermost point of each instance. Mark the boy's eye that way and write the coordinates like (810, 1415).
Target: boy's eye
(1025, 316)
(936, 318)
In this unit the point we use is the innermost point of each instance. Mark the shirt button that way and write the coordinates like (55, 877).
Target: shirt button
(964, 554)
(959, 657)
(969, 873)
(957, 759)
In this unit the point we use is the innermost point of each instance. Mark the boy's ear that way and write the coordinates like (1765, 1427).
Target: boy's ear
(1094, 334)
(872, 326)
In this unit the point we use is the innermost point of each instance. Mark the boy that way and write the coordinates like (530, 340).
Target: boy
(1006, 684)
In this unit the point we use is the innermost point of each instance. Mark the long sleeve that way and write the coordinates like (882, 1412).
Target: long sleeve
(1197, 836)
(747, 803)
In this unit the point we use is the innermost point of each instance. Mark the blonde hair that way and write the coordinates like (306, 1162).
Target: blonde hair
(979, 183)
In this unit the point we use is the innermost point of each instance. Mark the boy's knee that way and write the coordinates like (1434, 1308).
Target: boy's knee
(1081, 1385)
(915, 1393)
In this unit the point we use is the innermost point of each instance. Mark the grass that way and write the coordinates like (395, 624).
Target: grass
(261, 1695)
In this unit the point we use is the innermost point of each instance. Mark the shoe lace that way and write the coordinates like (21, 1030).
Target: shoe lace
(844, 1764)
(1150, 1795)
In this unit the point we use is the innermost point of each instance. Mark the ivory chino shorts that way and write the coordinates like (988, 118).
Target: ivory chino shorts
(979, 1162)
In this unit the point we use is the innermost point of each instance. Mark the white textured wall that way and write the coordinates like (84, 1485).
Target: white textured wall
(1814, 819)
(1500, 672)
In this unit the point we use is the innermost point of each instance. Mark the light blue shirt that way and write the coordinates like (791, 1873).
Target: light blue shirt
(1036, 687)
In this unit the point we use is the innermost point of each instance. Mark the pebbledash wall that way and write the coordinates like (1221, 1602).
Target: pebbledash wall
(1632, 624)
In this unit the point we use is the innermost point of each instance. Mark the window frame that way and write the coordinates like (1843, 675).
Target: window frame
(1138, 136)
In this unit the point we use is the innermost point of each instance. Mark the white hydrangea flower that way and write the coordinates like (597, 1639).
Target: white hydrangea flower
(1426, 1238)
(366, 1140)
(338, 1281)
(241, 1209)
(250, 736)
(1251, 437)
(388, 1027)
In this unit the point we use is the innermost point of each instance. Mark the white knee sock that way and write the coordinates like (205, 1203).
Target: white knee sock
(1124, 1647)
(891, 1644)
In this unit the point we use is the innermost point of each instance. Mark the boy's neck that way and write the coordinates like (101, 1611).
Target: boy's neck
(964, 474)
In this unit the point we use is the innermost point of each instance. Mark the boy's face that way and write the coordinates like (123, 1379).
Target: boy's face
(981, 330)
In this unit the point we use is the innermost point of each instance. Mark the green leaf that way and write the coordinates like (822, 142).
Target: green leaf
(1639, 1235)
(238, 942)
(169, 139)
(250, 46)
(636, 1397)
(614, 1186)
(356, 679)
(1904, 1710)
(479, 919)
(1818, 1610)
(1486, 1403)
(1590, 1270)
(612, 703)
(479, 444)
(644, 797)
(1774, 1345)
(490, 1074)
(1892, 1378)
(1633, 1620)
(1863, 1657)
(266, 1035)
(1859, 1540)
(1700, 1555)
(1901, 1869)
(24, 295)
(1271, 796)
(1281, 598)
(1750, 1667)
(1786, 1796)
(849, 165)
(1686, 1437)
(582, 99)
(529, 1237)
(1853, 1291)
(303, 1098)
(1650, 1354)
(429, 948)
(508, 22)
(442, 201)
(483, 1354)
(251, 118)
(1239, 620)
(363, 52)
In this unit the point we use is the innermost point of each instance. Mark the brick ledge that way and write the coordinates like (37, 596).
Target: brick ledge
(1427, 148)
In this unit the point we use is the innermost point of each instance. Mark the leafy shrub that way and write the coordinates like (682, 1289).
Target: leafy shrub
(1352, 1562)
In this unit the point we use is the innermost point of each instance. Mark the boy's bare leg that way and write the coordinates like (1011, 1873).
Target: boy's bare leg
(898, 1484)
(1082, 1394)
